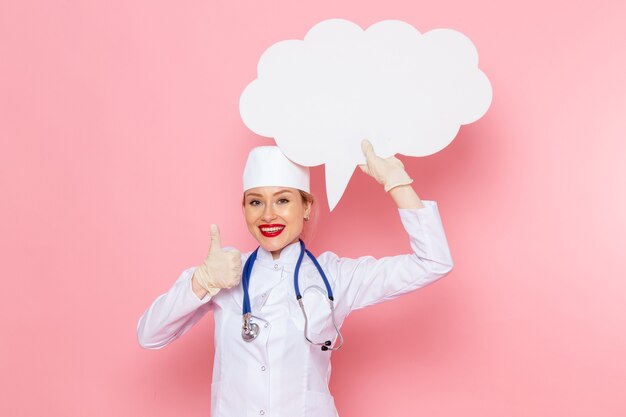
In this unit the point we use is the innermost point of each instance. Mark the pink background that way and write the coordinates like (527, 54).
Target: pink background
(122, 142)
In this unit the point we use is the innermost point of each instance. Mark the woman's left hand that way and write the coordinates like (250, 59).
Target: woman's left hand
(389, 171)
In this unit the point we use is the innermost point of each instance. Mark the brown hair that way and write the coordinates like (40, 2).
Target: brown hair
(306, 197)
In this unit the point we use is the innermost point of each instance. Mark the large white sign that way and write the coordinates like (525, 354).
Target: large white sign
(405, 91)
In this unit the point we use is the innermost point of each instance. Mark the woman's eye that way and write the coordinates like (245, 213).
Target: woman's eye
(254, 202)
(283, 201)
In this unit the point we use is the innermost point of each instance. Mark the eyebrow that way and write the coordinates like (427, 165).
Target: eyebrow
(276, 193)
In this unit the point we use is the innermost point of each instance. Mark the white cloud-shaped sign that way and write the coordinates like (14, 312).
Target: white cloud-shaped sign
(406, 92)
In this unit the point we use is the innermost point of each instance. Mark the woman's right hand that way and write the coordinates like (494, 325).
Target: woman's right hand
(221, 269)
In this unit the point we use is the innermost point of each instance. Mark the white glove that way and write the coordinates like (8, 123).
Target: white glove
(221, 269)
(389, 172)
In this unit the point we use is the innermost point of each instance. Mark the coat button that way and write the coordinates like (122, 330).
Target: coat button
(275, 266)
(263, 368)
(262, 412)
(266, 325)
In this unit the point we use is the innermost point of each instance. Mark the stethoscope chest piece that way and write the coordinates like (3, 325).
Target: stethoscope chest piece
(249, 331)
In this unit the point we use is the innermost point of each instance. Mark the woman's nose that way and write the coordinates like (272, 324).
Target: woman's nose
(268, 213)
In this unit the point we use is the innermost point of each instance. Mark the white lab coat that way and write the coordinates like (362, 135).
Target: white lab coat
(279, 374)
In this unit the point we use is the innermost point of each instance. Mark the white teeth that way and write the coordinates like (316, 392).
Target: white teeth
(271, 229)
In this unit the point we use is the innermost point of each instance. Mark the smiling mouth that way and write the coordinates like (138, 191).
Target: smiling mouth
(271, 230)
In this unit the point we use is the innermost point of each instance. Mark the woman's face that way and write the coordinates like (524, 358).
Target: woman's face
(275, 216)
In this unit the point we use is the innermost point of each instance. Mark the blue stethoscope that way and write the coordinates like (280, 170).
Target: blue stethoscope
(250, 330)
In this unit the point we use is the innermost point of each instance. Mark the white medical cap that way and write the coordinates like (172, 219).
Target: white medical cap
(267, 166)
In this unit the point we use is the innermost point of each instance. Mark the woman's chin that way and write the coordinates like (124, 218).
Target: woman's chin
(270, 246)
(275, 244)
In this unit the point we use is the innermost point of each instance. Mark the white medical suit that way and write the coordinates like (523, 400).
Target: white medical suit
(280, 374)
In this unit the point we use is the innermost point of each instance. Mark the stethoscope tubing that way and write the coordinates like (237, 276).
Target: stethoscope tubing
(245, 281)
(251, 330)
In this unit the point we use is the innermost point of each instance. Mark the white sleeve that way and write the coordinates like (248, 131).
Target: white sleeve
(172, 314)
(366, 281)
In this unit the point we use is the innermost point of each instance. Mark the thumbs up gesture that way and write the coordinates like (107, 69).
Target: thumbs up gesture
(221, 269)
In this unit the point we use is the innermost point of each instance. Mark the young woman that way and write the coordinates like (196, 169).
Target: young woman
(277, 310)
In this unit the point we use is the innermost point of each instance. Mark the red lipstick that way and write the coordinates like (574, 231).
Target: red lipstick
(271, 230)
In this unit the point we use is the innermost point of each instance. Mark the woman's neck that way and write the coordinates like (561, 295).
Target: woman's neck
(276, 253)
